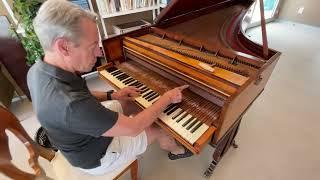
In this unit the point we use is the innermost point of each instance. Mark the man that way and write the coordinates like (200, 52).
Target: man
(94, 138)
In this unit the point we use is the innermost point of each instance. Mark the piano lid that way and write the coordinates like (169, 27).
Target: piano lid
(223, 28)
(178, 8)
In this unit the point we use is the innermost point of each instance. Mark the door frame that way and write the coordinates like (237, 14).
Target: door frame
(274, 16)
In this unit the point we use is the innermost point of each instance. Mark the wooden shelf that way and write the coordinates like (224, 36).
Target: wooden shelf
(137, 10)
(104, 15)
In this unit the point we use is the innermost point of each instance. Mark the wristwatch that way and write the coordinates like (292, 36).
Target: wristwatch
(109, 94)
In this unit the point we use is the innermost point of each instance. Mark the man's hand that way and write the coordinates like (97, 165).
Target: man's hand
(127, 93)
(175, 95)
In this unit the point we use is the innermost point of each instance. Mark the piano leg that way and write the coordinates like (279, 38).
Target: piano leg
(222, 147)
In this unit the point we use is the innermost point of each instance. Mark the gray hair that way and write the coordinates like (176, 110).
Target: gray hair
(59, 19)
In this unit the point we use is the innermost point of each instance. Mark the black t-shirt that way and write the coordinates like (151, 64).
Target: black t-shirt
(73, 118)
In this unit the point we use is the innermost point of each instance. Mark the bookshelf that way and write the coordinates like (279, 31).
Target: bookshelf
(137, 10)
(106, 9)
(163, 5)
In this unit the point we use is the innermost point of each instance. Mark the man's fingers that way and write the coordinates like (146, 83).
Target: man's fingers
(181, 88)
(134, 94)
(131, 98)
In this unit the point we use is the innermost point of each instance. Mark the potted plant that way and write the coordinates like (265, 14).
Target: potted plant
(25, 11)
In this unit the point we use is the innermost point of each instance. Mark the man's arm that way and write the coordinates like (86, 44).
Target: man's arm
(127, 93)
(99, 95)
(126, 126)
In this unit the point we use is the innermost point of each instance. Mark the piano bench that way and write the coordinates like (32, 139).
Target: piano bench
(63, 170)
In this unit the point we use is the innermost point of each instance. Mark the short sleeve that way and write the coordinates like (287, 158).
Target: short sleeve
(90, 117)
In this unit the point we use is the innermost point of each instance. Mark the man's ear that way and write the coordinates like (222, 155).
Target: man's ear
(62, 46)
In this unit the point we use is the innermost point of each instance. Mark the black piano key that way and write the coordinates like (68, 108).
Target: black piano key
(110, 70)
(126, 75)
(142, 88)
(116, 73)
(187, 122)
(123, 78)
(134, 84)
(172, 110)
(152, 98)
(139, 85)
(131, 82)
(192, 124)
(183, 116)
(196, 127)
(144, 96)
(143, 91)
(175, 116)
(128, 80)
(168, 109)
(118, 70)
(169, 106)
(150, 95)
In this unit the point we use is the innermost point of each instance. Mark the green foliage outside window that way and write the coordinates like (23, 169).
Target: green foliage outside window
(25, 11)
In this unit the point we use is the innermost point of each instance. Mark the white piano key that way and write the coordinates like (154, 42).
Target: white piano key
(132, 82)
(154, 100)
(126, 79)
(184, 132)
(178, 126)
(167, 119)
(195, 125)
(142, 87)
(130, 79)
(148, 91)
(175, 113)
(113, 72)
(191, 134)
(111, 78)
(119, 74)
(198, 133)
(172, 121)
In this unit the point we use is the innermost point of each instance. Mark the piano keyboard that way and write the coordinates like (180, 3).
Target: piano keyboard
(183, 123)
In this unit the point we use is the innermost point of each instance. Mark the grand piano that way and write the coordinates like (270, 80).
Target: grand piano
(200, 43)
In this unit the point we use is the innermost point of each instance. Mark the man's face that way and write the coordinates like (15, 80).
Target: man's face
(84, 55)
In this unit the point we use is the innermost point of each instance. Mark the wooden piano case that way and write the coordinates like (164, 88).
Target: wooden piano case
(209, 31)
